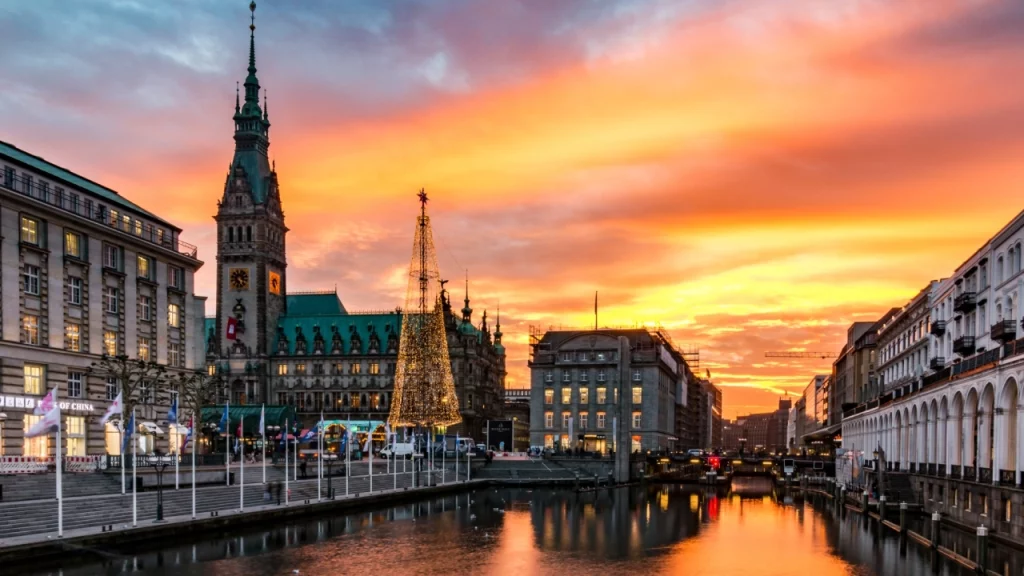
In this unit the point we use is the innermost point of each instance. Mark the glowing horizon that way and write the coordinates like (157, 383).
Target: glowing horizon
(753, 175)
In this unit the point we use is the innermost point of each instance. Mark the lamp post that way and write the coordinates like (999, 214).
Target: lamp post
(272, 431)
(329, 460)
(159, 462)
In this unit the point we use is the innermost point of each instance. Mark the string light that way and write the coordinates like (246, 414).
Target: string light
(424, 393)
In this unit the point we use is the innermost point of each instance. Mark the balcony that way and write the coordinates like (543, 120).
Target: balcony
(1004, 331)
(965, 302)
(938, 327)
(937, 363)
(964, 345)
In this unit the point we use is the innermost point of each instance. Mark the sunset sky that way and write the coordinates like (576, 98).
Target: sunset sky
(753, 174)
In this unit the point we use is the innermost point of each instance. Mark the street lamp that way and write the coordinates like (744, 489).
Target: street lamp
(271, 432)
(159, 462)
(329, 459)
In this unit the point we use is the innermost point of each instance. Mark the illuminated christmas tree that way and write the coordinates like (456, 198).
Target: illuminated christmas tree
(424, 387)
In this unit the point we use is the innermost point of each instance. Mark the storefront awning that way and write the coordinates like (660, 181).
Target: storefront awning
(150, 428)
(274, 416)
(826, 433)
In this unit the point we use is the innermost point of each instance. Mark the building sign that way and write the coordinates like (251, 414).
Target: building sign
(29, 403)
(500, 434)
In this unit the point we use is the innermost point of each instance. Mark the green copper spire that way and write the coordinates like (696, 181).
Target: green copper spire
(252, 125)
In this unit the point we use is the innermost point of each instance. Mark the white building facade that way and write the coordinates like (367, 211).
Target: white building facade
(904, 343)
(84, 272)
(963, 420)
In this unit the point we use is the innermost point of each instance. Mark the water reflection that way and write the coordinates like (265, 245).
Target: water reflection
(661, 529)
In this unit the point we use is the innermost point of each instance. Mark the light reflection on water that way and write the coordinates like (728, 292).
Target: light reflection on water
(658, 529)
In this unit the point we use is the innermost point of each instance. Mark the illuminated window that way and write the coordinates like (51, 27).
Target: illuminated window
(174, 355)
(146, 307)
(602, 395)
(34, 447)
(300, 369)
(1007, 510)
(638, 395)
(282, 369)
(110, 343)
(30, 323)
(637, 420)
(33, 378)
(355, 368)
(112, 438)
(29, 230)
(565, 419)
(144, 349)
(374, 367)
(566, 395)
(584, 417)
(145, 270)
(75, 435)
(174, 315)
(549, 420)
(584, 395)
(549, 397)
(600, 420)
(549, 440)
(73, 337)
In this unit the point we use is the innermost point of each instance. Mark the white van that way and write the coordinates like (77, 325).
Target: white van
(399, 450)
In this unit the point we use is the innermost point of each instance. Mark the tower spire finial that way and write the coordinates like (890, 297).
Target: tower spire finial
(237, 107)
(467, 312)
(266, 115)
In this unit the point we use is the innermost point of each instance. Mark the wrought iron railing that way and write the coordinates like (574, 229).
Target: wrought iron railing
(96, 212)
(970, 473)
(985, 475)
(1007, 477)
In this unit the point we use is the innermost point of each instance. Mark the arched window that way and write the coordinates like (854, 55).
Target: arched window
(999, 270)
(1016, 259)
(248, 233)
(231, 234)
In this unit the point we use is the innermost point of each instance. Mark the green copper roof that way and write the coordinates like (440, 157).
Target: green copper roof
(57, 173)
(314, 305)
(348, 325)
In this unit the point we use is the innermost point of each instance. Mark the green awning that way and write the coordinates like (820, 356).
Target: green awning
(250, 415)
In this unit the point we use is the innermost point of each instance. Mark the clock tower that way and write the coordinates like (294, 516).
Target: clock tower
(250, 246)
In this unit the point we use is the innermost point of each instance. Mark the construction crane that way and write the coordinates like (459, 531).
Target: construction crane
(821, 355)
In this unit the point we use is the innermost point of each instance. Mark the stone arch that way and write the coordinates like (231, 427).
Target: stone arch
(933, 432)
(923, 442)
(986, 426)
(958, 437)
(914, 445)
(970, 428)
(944, 432)
(1007, 442)
(898, 439)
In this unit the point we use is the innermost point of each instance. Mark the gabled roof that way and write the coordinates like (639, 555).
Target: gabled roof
(68, 177)
(314, 304)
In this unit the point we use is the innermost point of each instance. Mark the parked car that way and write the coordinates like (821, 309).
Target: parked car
(535, 451)
(477, 453)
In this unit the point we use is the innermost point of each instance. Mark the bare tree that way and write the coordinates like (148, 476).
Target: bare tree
(138, 381)
(197, 389)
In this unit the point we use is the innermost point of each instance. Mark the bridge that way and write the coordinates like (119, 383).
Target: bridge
(687, 468)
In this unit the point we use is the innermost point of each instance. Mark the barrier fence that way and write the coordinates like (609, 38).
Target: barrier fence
(36, 465)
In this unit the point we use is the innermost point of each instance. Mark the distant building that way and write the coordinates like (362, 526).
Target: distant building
(811, 416)
(517, 407)
(582, 387)
(763, 432)
(903, 343)
(704, 411)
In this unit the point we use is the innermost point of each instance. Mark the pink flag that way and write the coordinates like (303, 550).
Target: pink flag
(47, 403)
(115, 408)
(47, 423)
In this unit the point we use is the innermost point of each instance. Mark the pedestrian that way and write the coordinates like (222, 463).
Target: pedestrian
(277, 488)
(302, 468)
(266, 491)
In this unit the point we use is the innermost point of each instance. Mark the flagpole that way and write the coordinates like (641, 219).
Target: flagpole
(121, 426)
(241, 463)
(191, 433)
(284, 436)
(135, 483)
(444, 452)
(348, 452)
(370, 442)
(60, 484)
(394, 459)
(177, 456)
(319, 457)
(227, 445)
(263, 437)
(456, 457)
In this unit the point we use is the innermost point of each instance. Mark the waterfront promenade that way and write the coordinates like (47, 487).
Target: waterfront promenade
(31, 521)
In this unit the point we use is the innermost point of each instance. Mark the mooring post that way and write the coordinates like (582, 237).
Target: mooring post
(936, 519)
(982, 549)
(864, 501)
(903, 517)
(881, 508)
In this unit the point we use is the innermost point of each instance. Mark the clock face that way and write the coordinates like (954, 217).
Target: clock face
(275, 283)
(239, 278)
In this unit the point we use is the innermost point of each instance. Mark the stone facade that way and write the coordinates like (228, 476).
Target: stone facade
(76, 263)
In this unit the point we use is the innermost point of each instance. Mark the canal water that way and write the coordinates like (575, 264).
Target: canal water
(655, 529)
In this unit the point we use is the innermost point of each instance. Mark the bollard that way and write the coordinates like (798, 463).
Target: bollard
(982, 549)
(864, 502)
(903, 518)
(881, 508)
(936, 519)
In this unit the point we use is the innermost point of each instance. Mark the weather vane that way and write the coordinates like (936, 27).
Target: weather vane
(423, 196)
